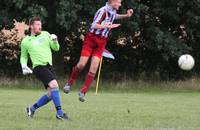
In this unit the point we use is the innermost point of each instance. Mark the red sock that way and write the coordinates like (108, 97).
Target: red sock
(74, 75)
(88, 81)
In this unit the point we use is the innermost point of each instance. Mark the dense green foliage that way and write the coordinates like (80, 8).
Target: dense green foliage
(147, 44)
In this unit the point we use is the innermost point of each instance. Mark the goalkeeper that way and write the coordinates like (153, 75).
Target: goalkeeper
(39, 45)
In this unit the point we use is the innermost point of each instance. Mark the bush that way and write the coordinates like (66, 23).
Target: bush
(9, 48)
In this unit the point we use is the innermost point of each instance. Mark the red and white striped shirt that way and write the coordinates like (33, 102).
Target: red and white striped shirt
(104, 15)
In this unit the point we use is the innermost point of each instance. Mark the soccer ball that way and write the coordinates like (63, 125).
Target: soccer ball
(186, 62)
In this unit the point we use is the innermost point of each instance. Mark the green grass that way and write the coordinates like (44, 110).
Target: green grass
(141, 108)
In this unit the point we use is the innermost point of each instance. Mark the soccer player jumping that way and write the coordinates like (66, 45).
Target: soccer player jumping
(94, 44)
(38, 46)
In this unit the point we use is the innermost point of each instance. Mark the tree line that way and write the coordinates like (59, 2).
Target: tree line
(147, 45)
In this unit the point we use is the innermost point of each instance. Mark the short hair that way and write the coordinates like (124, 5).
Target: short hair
(33, 19)
(109, 1)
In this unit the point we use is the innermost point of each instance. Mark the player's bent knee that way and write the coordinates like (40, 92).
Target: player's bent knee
(93, 69)
(53, 84)
(81, 66)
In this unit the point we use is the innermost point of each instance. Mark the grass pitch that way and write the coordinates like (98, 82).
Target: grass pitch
(144, 109)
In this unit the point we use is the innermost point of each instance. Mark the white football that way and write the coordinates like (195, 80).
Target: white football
(186, 62)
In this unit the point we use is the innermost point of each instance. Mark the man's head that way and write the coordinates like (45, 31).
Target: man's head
(35, 24)
(116, 4)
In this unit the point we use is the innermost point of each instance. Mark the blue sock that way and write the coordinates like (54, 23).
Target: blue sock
(56, 100)
(41, 102)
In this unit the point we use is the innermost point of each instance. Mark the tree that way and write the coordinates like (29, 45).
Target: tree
(148, 43)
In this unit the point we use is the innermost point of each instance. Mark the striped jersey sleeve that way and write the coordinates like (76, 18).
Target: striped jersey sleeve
(99, 17)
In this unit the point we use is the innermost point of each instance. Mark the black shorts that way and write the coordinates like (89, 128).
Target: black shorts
(45, 74)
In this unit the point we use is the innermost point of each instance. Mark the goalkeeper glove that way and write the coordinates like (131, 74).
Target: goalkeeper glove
(54, 38)
(26, 70)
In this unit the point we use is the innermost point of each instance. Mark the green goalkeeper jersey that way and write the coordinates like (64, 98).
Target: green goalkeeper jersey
(38, 48)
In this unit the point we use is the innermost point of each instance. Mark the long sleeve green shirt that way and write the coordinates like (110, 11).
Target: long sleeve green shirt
(38, 48)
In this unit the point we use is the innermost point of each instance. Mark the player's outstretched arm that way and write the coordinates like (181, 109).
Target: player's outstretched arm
(127, 15)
